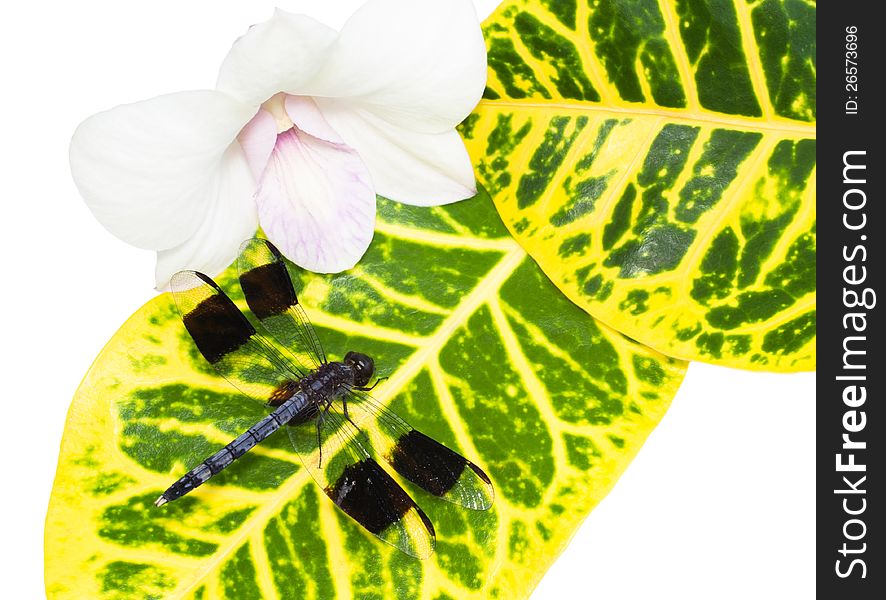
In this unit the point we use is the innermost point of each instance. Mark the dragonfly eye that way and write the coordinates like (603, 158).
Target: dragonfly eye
(363, 365)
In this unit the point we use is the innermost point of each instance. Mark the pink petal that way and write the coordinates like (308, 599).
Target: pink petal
(316, 202)
(257, 140)
(307, 117)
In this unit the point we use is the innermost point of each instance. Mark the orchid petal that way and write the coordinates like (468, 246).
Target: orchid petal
(147, 170)
(305, 114)
(257, 140)
(422, 169)
(278, 55)
(229, 221)
(316, 202)
(419, 64)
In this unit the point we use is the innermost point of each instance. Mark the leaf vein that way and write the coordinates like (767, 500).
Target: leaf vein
(787, 127)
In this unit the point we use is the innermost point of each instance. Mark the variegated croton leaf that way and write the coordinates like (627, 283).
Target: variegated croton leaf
(657, 159)
(483, 353)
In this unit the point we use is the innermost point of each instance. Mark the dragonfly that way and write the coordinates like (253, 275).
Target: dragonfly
(336, 426)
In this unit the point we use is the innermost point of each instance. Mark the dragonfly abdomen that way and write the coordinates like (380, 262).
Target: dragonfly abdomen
(235, 449)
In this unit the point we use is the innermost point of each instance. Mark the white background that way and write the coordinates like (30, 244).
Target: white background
(719, 503)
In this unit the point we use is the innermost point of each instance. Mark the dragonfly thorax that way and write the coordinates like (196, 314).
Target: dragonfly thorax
(363, 367)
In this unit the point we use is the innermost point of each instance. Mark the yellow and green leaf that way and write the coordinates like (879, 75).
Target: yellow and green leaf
(657, 159)
(483, 354)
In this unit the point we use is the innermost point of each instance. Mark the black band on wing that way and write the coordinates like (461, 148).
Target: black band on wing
(217, 325)
(427, 463)
(268, 289)
(372, 498)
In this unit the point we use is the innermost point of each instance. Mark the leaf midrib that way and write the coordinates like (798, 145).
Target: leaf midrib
(489, 285)
(787, 127)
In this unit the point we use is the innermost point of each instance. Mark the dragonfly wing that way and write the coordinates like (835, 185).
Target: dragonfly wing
(419, 458)
(271, 297)
(229, 342)
(358, 485)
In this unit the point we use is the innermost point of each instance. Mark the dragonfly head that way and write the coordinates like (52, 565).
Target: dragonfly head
(363, 366)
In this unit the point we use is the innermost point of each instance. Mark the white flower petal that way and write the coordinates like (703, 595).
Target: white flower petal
(420, 64)
(279, 55)
(423, 169)
(316, 202)
(146, 170)
(257, 140)
(231, 219)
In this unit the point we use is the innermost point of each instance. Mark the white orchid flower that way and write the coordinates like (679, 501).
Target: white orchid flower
(305, 126)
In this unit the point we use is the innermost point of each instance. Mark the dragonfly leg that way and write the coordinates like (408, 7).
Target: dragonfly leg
(319, 443)
(344, 406)
(321, 418)
(367, 389)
